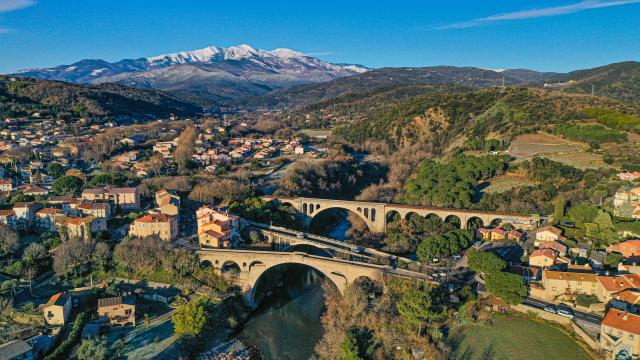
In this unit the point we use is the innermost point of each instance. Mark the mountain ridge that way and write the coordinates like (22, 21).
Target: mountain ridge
(210, 73)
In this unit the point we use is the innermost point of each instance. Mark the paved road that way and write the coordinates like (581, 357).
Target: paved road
(590, 318)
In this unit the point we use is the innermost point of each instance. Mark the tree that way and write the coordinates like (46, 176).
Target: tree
(34, 258)
(93, 349)
(107, 179)
(101, 256)
(185, 147)
(8, 240)
(613, 259)
(445, 244)
(558, 208)
(349, 347)
(55, 169)
(67, 185)
(581, 214)
(191, 319)
(507, 286)
(416, 307)
(73, 258)
(485, 262)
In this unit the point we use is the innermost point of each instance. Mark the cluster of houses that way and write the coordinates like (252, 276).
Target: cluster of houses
(500, 234)
(555, 278)
(162, 221)
(79, 216)
(216, 228)
(112, 311)
(626, 202)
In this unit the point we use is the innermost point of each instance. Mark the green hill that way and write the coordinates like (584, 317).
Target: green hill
(25, 96)
(440, 118)
(618, 81)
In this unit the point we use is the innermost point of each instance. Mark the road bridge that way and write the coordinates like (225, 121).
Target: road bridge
(287, 240)
(254, 264)
(377, 215)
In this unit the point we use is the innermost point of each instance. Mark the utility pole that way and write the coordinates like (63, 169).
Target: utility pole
(593, 89)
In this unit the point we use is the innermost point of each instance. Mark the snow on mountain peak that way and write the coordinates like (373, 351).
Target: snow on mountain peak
(241, 52)
(286, 53)
(183, 57)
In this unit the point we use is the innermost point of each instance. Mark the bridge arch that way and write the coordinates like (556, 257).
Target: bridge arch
(433, 216)
(230, 267)
(392, 216)
(454, 220)
(261, 277)
(326, 210)
(308, 249)
(255, 263)
(495, 222)
(474, 223)
(410, 215)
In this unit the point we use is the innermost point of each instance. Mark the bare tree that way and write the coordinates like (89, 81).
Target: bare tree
(8, 240)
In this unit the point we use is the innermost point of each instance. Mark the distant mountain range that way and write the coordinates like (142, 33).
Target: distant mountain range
(245, 76)
(206, 76)
(620, 81)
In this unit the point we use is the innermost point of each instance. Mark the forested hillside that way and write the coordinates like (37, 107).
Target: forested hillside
(440, 118)
(618, 81)
(24, 96)
(387, 78)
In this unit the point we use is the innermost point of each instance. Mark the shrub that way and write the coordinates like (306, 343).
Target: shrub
(62, 351)
(586, 300)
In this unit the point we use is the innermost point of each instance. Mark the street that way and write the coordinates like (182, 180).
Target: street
(590, 318)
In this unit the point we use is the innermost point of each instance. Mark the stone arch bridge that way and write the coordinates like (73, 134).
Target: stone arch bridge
(253, 264)
(376, 215)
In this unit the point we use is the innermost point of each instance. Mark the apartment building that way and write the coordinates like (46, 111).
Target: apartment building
(620, 335)
(162, 225)
(167, 202)
(46, 218)
(215, 228)
(97, 210)
(6, 185)
(125, 198)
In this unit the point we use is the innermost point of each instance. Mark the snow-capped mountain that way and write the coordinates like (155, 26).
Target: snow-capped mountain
(213, 73)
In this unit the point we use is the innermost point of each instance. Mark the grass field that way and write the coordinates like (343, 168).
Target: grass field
(322, 133)
(514, 339)
(504, 183)
(525, 147)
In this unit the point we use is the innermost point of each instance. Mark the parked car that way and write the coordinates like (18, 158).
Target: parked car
(551, 309)
(566, 313)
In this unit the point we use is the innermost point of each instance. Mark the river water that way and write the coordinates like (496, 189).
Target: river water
(286, 324)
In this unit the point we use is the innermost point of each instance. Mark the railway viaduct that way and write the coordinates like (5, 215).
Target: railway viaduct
(376, 215)
(253, 264)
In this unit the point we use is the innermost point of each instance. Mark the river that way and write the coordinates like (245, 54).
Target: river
(286, 324)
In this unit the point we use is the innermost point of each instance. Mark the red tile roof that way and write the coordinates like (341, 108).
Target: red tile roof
(614, 283)
(544, 252)
(622, 321)
(154, 218)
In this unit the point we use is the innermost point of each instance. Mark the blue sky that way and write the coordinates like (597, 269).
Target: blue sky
(540, 35)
